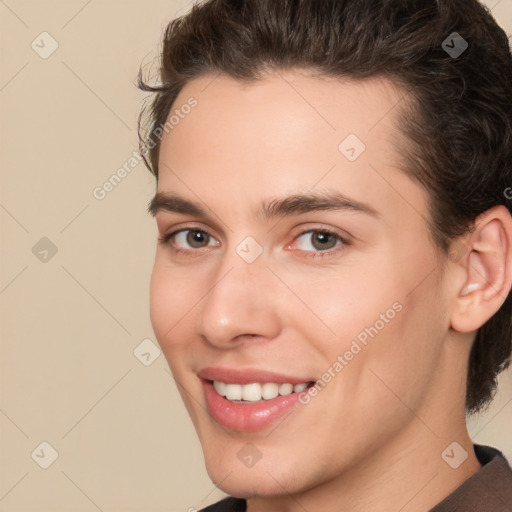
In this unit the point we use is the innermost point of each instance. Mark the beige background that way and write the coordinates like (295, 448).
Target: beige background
(70, 324)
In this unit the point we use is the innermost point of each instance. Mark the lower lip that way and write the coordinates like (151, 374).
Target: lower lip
(249, 416)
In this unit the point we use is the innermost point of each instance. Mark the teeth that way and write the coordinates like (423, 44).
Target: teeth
(269, 390)
(251, 392)
(300, 387)
(220, 387)
(233, 392)
(255, 391)
(286, 389)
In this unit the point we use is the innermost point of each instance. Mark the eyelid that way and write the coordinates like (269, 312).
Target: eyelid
(309, 227)
(186, 226)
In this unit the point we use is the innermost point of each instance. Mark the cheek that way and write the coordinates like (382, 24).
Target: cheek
(172, 299)
(376, 317)
(401, 356)
(338, 304)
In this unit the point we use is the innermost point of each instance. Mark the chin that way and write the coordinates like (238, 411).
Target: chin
(265, 478)
(246, 486)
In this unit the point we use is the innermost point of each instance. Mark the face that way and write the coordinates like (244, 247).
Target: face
(294, 255)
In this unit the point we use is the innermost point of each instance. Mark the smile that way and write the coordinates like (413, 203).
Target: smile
(250, 400)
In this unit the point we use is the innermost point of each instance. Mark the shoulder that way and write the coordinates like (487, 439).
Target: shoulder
(227, 505)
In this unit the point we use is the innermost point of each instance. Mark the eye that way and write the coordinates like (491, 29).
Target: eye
(186, 239)
(318, 240)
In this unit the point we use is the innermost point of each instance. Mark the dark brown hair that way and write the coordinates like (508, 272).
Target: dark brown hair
(457, 123)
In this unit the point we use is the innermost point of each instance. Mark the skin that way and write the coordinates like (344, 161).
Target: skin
(372, 439)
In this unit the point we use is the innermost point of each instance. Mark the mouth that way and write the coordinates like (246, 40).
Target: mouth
(250, 400)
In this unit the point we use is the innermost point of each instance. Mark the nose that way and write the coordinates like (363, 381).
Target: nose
(241, 303)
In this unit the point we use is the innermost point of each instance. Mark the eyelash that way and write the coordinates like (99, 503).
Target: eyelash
(166, 240)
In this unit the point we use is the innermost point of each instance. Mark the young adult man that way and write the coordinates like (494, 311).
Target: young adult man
(332, 281)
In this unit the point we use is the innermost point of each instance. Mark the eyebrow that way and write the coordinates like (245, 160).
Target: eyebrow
(295, 204)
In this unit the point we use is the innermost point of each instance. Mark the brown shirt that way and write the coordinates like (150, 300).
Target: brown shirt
(488, 490)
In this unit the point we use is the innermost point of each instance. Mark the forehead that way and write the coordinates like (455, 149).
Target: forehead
(289, 131)
(280, 117)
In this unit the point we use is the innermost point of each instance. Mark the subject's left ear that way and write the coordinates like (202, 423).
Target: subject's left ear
(486, 271)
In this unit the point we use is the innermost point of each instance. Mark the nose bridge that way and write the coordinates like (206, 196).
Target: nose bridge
(239, 297)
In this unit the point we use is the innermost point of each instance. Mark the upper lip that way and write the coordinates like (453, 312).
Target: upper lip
(248, 376)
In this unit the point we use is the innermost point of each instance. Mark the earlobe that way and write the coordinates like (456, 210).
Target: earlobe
(487, 271)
